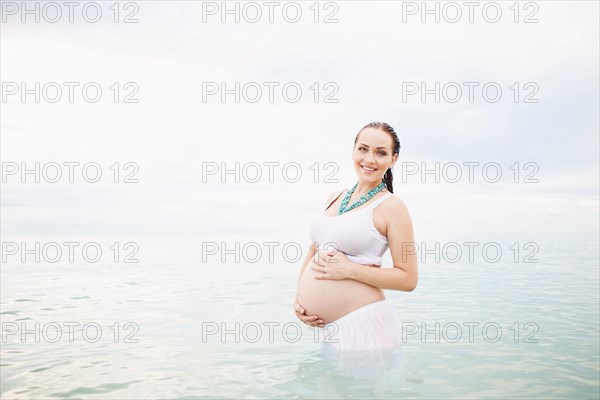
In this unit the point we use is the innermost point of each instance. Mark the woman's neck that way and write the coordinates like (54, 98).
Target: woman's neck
(363, 188)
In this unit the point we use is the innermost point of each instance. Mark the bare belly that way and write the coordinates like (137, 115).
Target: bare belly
(332, 299)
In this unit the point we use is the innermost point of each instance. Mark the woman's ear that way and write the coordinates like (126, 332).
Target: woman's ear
(394, 159)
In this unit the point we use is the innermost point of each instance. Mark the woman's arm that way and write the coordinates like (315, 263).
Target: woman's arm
(385, 278)
(312, 320)
(404, 276)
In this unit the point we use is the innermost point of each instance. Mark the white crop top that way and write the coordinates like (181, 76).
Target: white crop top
(353, 233)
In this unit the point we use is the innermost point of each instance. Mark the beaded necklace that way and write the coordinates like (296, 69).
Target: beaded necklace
(363, 199)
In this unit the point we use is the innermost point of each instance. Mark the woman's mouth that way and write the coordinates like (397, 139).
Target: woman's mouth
(367, 169)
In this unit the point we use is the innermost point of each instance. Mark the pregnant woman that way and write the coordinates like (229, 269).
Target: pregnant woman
(340, 287)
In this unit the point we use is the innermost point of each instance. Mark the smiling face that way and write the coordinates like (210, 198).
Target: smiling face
(373, 155)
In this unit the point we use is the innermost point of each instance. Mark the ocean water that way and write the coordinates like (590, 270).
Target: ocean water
(184, 323)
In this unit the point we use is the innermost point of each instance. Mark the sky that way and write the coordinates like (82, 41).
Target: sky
(365, 58)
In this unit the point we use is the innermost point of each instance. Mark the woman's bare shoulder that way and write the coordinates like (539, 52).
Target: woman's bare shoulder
(395, 206)
(333, 195)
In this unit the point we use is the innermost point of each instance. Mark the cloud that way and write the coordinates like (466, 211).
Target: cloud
(366, 57)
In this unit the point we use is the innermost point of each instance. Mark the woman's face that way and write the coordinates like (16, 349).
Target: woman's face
(372, 155)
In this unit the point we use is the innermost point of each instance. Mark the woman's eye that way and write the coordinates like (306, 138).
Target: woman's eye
(381, 153)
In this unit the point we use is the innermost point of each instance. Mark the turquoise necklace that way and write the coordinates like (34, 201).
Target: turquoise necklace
(363, 199)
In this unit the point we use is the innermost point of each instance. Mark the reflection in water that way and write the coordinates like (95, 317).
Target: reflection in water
(325, 370)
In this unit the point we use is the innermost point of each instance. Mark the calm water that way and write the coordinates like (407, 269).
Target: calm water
(178, 306)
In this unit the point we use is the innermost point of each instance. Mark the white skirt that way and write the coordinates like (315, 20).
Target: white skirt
(369, 328)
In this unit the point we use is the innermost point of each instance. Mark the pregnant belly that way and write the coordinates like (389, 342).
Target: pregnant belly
(332, 299)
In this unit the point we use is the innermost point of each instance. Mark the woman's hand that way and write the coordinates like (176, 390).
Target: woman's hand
(310, 320)
(332, 264)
